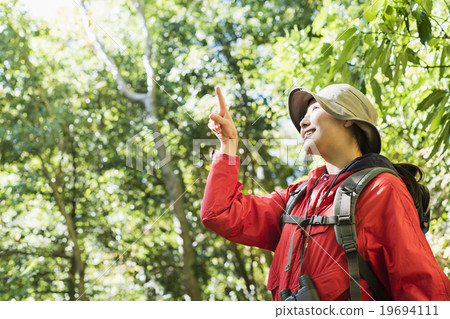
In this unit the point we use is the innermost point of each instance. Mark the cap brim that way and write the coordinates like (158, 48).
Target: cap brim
(298, 104)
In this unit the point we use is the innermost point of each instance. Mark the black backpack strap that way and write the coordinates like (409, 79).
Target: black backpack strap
(294, 198)
(371, 279)
(287, 218)
(344, 208)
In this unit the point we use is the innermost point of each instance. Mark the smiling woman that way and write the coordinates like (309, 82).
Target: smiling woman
(329, 137)
(381, 236)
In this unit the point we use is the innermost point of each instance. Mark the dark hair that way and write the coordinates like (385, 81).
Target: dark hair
(411, 176)
(361, 139)
(408, 172)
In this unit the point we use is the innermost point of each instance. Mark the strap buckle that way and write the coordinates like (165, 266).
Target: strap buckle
(349, 247)
(345, 220)
(317, 220)
(349, 190)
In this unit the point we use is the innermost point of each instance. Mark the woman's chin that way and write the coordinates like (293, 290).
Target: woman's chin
(310, 147)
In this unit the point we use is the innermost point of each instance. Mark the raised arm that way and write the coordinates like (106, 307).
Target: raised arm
(246, 219)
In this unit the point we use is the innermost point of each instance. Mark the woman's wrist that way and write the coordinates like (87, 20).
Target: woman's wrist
(229, 147)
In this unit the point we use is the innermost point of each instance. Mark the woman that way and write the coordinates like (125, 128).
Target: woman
(338, 124)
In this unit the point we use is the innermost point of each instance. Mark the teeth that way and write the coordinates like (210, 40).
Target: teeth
(308, 134)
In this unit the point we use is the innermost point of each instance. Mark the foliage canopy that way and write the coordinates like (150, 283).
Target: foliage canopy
(79, 223)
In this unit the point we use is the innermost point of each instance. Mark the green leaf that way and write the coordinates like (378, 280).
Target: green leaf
(325, 52)
(29, 268)
(445, 133)
(347, 51)
(397, 70)
(384, 27)
(376, 90)
(434, 98)
(403, 62)
(424, 28)
(319, 21)
(412, 56)
(362, 84)
(384, 62)
(319, 75)
(389, 11)
(404, 13)
(428, 6)
(442, 61)
(372, 8)
(437, 120)
(429, 119)
(346, 34)
(370, 56)
(416, 12)
(327, 48)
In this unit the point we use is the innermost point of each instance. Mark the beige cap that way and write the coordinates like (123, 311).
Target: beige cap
(343, 102)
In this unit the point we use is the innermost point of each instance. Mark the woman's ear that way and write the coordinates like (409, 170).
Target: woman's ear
(348, 123)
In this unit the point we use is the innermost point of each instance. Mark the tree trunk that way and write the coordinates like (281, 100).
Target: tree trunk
(71, 281)
(176, 190)
(173, 183)
(76, 251)
(241, 266)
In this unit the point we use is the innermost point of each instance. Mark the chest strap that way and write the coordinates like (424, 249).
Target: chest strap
(316, 220)
(302, 223)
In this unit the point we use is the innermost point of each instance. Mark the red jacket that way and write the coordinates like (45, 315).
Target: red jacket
(389, 236)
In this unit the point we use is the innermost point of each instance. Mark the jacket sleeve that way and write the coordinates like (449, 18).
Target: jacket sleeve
(391, 241)
(246, 219)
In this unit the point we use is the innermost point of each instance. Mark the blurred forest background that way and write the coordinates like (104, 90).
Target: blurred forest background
(80, 222)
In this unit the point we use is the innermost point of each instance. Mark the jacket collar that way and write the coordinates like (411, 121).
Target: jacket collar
(365, 161)
(368, 160)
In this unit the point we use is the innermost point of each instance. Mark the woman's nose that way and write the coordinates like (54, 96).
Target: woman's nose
(305, 122)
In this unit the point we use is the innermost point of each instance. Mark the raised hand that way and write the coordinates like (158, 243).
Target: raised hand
(223, 127)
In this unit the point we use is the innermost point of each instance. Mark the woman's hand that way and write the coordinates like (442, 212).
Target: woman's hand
(223, 127)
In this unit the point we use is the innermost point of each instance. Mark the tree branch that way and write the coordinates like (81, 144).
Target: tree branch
(401, 35)
(412, 66)
(430, 66)
(110, 62)
(146, 58)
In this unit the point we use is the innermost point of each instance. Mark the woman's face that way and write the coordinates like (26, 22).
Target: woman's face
(321, 132)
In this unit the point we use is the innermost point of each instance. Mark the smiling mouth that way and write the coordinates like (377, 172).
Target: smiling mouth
(308, 134)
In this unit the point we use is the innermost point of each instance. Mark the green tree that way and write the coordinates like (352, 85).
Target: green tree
(79, 223)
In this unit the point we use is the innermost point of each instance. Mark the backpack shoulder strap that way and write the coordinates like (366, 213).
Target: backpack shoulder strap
(287, 218)
(294, 198)
(344, 208)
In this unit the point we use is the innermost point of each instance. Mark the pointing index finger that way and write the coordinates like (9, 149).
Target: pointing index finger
(222, 105)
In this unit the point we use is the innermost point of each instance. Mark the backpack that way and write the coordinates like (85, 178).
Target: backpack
(344, 220)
